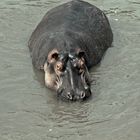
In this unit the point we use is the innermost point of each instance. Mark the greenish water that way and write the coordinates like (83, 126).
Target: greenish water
(29, 111)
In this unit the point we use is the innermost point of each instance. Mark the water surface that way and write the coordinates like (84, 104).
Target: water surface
(29, 111)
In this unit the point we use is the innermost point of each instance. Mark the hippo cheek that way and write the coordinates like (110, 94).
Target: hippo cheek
(53, 81)
(50, 77)
(50, 80)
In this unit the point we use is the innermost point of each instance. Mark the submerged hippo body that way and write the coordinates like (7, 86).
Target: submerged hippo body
(69, 40)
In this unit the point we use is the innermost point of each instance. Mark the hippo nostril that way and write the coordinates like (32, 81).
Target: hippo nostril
(69, 96)
(82, 95)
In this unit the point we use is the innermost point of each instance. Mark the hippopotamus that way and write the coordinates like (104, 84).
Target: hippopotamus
(70, 39)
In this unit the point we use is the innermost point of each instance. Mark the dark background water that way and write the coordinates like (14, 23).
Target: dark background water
(29, 111)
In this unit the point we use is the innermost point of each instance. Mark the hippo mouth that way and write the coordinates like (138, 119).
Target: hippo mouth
(73, 95)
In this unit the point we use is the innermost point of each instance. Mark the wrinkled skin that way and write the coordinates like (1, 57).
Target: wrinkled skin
(69, 40)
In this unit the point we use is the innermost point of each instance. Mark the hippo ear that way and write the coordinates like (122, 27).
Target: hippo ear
(53, 56)
(81, 54)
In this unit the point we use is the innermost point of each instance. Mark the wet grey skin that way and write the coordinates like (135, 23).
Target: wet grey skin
(69, 40)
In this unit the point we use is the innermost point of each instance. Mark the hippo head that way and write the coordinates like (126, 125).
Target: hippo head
(68, 75)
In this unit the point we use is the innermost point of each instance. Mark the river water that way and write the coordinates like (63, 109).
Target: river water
(29, 111)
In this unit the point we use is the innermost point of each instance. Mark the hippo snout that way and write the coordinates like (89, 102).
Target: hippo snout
(74, 95)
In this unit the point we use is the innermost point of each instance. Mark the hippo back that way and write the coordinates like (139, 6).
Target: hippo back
(73, 24)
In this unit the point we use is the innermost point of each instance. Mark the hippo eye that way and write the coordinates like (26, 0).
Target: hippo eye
(81, 65)
(82, 62)
(59, 66)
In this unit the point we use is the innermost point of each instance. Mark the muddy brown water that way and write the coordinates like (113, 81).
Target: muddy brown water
(29, 111)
